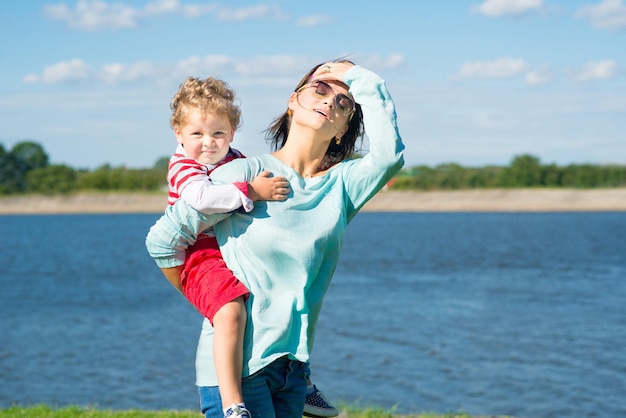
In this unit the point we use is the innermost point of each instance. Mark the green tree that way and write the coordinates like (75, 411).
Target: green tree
(162, 164)
(449, 176)
(423, 177)
(52, 179)
(615, 176)
(98, 179)
(106, 177)
(524, 171)
(30, 155)
(586, 175)
(484, 177)
(9, 174)
(551, 176)
(15, 165)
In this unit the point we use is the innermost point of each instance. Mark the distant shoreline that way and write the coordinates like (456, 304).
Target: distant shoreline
(489, 200)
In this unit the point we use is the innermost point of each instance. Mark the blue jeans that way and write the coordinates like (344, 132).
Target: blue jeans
(276, 391)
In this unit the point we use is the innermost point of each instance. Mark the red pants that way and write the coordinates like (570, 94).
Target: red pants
(206, 280)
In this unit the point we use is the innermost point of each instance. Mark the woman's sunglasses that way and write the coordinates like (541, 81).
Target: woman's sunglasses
(322, 89)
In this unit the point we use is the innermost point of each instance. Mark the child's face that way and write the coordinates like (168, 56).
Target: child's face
(206, 138)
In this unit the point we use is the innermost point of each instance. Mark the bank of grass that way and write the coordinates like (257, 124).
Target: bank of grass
(44, 411)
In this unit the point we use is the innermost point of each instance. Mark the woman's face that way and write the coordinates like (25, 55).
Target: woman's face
(327, 104)
(333, 92)
(329, 97)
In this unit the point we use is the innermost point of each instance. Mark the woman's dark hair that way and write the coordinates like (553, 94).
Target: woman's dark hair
(276, 133)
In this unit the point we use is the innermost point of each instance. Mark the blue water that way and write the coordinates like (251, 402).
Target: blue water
(485, 313)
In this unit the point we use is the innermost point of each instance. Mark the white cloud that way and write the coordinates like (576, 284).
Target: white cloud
(77, 71)
(376, 62)
(62, 73)
(94, 15)
(162, 7)
(246, 13)
(272, 67)
(500, 68)
(597, 70)
(395, 60)
(314, 20)
(198, 66)
(499, 8)
(536, 77)
(493, 119)
(227, 14)
(98, 15)
(119, 73)
(195, 10)
(610, 14)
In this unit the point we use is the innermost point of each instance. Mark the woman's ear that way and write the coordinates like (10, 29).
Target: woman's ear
(292, 100)
(344, 130)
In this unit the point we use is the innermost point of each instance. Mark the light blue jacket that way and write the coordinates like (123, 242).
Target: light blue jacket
(286, 252)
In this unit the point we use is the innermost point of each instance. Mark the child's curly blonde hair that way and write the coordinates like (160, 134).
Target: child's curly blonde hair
(210, 96)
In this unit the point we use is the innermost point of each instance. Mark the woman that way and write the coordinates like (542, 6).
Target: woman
(286, 252)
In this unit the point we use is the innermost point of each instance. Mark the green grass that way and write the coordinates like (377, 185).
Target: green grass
(44, 411)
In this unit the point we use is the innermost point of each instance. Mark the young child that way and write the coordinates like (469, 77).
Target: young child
(204, 119)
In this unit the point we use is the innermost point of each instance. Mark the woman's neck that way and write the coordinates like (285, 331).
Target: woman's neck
(303, 155)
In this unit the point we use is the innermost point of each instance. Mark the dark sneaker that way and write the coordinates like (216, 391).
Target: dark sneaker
(316, 405)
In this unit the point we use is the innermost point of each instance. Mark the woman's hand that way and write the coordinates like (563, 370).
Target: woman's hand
(332, 71)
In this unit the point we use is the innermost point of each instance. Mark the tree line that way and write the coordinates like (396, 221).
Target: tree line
(25, 168)
(524, 171)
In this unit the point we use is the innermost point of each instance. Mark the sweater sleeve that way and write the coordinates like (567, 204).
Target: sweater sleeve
(204, 196)
(364, 177)
(176, 230)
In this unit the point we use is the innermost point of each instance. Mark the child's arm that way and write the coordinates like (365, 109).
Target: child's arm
(172, 274)
(264, 187)
(174, 232)
(206, 197)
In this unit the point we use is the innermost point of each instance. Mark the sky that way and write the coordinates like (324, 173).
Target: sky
(474, 82)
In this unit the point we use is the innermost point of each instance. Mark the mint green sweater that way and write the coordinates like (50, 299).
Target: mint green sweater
(286, 252)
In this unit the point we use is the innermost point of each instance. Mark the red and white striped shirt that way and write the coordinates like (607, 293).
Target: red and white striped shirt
(190, 180)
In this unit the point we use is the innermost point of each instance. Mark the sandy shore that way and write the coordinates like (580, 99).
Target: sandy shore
(519, 200)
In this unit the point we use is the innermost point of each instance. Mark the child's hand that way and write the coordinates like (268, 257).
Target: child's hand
(264, 187)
